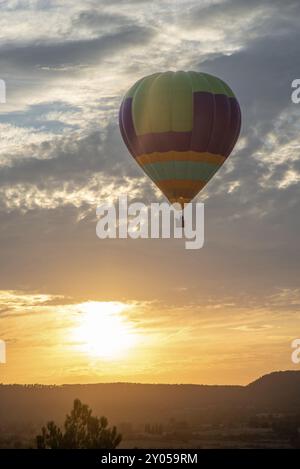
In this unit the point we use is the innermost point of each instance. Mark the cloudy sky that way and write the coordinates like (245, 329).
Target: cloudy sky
(224, 314)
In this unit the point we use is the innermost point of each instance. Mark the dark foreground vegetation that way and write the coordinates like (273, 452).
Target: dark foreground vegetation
(81, 431)
(264, 414)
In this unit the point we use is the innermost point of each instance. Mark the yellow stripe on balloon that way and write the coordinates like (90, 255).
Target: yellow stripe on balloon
(158, 157)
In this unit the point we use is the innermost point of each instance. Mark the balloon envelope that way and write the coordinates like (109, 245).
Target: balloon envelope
(180, 127)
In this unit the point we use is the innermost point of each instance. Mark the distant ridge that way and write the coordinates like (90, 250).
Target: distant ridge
(278, 377)
(277, 392)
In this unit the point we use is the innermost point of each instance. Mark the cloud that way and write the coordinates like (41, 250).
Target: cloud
(62, 150)
(97, 21)
(61, 55)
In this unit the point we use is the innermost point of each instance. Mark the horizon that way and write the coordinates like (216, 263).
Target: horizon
(153, 383)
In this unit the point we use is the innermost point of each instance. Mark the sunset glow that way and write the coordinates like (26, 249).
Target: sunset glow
(103, 331)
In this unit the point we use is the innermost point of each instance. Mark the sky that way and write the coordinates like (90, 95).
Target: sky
(77, 309)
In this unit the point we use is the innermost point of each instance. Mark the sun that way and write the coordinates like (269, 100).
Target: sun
(103, 330)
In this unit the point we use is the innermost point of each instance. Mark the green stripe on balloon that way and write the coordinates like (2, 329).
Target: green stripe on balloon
(191, 170)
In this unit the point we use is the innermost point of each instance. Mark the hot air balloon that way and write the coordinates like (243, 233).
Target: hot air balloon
(180, 127)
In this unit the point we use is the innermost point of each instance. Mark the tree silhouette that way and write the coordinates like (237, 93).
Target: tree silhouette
(81, 431)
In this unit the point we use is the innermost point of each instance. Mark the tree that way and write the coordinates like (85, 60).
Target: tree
(81, 431)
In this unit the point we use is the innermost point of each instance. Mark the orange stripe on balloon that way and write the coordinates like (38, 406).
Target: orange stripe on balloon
(158, 157)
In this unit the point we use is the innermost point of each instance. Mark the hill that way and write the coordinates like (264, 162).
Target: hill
(277, 392)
